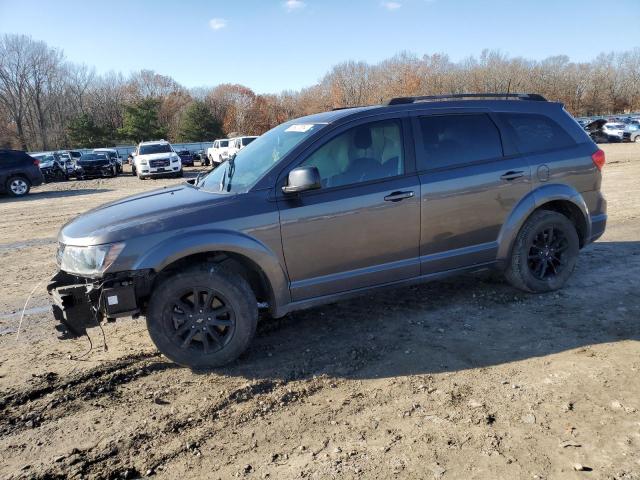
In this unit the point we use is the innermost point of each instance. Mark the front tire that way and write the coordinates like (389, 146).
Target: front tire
(202, 318)
(18, 186)
(544, 254)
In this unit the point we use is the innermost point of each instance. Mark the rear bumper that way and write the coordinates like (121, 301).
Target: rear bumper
(36, 178)
(598, 226)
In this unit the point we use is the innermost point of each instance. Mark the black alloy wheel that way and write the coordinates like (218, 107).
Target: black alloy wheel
(202, 319)
(547, 253)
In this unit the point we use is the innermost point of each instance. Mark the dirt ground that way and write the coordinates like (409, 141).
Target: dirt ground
(464, 378)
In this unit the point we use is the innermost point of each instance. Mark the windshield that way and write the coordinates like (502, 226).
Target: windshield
(156, 148)
(224, 143)
(92, 157)
(252, 162)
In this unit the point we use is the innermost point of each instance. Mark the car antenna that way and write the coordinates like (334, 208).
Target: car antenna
(508, 89)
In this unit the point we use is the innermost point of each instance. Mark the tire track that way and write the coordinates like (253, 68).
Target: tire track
(22, 410)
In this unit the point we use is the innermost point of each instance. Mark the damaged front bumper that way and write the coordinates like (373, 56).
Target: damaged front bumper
(81, 303)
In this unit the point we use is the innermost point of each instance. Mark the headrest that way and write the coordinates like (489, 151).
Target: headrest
(362, 138)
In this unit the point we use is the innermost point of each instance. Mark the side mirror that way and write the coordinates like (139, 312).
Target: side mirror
(193, 181)
(302, 179)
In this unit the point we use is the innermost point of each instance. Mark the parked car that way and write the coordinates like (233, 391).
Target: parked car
(237, 144)
(156, 158)
(186, 157)
(631, 133)
(218, 152)
(96, 164)
(18, 173)
(67, 163)
(53, 166)
(113, 155)
(614, 129)
(201, 156)
(336, 204)
(600, 134)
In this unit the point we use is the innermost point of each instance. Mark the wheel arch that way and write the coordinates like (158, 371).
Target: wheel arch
(559, 198)
(238, 252)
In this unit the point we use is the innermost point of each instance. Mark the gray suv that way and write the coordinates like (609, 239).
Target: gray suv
(336, 204)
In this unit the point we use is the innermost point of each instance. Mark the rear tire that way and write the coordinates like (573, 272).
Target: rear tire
(544, 254)
(18, 186)
(204, 331)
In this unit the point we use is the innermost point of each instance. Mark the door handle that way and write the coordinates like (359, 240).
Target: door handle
(397, 196)
(512, 175)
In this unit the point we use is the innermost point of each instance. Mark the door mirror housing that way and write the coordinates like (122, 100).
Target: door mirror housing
(302, 179)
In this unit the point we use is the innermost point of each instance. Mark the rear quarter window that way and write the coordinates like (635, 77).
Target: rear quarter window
(536, 133)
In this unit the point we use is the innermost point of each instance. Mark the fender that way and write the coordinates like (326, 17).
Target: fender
(533, 200)
(181, 246)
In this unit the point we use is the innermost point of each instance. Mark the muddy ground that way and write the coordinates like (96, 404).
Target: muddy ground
(464, 378)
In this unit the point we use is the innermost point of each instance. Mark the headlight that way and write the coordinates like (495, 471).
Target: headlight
(143, 162)
(175, 159)
(89, 261)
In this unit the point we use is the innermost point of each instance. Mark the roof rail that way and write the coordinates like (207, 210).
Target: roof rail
(505, 96)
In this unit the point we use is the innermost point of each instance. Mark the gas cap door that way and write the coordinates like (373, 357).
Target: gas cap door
(543, 173)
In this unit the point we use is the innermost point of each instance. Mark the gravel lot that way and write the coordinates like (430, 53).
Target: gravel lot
(464, 378)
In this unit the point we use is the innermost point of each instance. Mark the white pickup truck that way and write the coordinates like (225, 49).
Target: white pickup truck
(218, 152)
(238, 143)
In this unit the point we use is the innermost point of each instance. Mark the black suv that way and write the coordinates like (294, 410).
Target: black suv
(336, 204)
(18, 173)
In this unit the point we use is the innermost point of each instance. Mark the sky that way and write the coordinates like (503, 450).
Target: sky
(276, 45)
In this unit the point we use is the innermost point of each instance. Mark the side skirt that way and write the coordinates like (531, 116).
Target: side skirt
(323, 300)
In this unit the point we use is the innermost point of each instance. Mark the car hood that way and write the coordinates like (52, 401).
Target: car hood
(154, 156)
(147, 213)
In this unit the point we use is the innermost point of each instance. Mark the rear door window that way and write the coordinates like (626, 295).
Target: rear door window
(535, 133)
(453, 140)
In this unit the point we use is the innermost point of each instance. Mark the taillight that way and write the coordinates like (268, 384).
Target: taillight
(36, 162)
(598, 159)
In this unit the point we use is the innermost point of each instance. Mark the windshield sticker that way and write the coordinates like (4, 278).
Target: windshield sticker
(300, 127)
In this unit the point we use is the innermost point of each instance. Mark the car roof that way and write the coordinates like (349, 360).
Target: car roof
(491, 101)
(155, 142)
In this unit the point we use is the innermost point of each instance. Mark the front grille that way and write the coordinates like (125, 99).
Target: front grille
(164, 162)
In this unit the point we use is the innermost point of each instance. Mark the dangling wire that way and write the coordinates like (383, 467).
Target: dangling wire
(87, 352)
(25, 308)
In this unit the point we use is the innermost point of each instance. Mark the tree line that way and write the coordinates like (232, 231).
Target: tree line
(47, 102)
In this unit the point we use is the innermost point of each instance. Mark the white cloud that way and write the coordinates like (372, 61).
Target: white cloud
(292, 5)
(217, 23)
(391, 6)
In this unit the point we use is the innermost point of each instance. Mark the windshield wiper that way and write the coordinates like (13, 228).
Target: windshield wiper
(228, 173)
